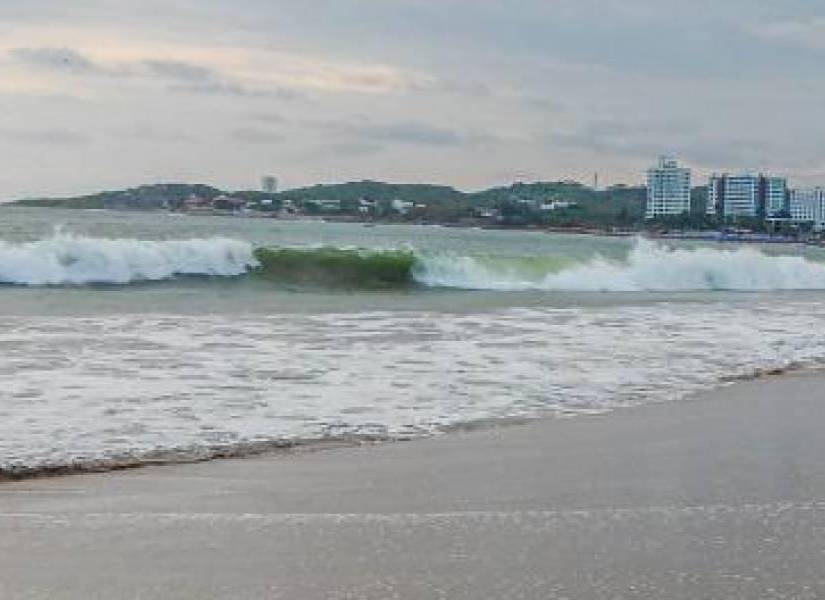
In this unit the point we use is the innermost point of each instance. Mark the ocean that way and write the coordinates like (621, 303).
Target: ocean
(129, 338)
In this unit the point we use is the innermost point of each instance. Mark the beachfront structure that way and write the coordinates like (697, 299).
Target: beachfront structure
(775, 193)
(668, 189)
(734, 195)
(747, 195)
(808, 206)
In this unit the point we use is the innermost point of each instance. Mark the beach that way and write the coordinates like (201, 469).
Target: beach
(411, 413)
(360, 300)
(718, 496)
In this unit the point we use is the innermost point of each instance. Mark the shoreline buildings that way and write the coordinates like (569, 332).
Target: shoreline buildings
(668, 189)
(808, 206)
(735, 196)
(747, 195)
(731, 197)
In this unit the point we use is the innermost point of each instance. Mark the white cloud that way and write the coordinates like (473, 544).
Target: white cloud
(233, 70)
(809, 33)
(462, 92)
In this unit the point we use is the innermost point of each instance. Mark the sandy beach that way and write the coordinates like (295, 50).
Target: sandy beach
(721, 496)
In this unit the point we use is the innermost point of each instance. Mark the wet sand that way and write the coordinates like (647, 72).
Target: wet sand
(721, 496)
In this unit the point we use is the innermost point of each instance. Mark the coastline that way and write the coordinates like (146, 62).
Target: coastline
(713, 236)
(720, 495)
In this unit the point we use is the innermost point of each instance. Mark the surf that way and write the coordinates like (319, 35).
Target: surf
(649, 267)
(66, 259)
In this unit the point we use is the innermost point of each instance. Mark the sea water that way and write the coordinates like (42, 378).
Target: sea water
(134, 337)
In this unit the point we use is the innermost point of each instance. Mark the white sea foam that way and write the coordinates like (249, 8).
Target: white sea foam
(80, 390)
(649, 267)
(66, 259)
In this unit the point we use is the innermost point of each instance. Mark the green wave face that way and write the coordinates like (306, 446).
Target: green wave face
(347, 268)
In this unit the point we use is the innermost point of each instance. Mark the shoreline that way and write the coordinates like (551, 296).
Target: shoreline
(727, 488)
(714, 236)
(284, 448)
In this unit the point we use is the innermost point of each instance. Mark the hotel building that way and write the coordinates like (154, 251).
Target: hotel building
(757, 196)
(808, 206)
(668, 189)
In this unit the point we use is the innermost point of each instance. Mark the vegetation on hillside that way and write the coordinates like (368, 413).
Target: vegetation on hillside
(543, 204)
(145, 197)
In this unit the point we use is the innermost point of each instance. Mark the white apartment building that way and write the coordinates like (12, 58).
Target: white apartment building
(668, 189)
(746, 195)
(808, 206)
(741, 196)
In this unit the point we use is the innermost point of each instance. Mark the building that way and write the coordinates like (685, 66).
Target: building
(734, 195)
(748, 195)
(808, 206)
(402, 207)
(550, 206)
(269, 184)
(668, 189)
(194, 203)
(224, 202)
(775, 190)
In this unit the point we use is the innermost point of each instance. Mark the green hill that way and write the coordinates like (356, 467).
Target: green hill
(145, 197)
(562, 204)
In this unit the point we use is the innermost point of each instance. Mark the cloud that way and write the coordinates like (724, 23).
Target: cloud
(712, 149)
(47, 136)
(458, 87)
(809, 33)
(625, 136)
(236, 89)
(410, 132)
(249, 135)
(544, 103)
(146, 132)
(351, 149)
(405, 132)
(181, 76)
(453, 91)
(174, 69)
(197, 78)
(62, 59)
(268, 117)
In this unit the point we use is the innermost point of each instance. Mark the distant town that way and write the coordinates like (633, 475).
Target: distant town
(729, 206)
(758, 202)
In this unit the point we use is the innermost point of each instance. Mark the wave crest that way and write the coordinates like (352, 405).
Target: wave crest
(649, 267)
(66, 259)
(334, 267)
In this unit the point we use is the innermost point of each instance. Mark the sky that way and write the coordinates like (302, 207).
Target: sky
(106, 94)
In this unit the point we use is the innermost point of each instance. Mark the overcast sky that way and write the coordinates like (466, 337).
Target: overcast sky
(99, 94)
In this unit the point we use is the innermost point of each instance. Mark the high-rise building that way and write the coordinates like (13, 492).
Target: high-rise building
(775, 190)
(808, 206)
(756, 196)
(668, 189)
(269, 184)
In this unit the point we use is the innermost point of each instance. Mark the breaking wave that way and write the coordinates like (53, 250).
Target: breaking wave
(649, 267)
(66, 259)
(338, 267)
